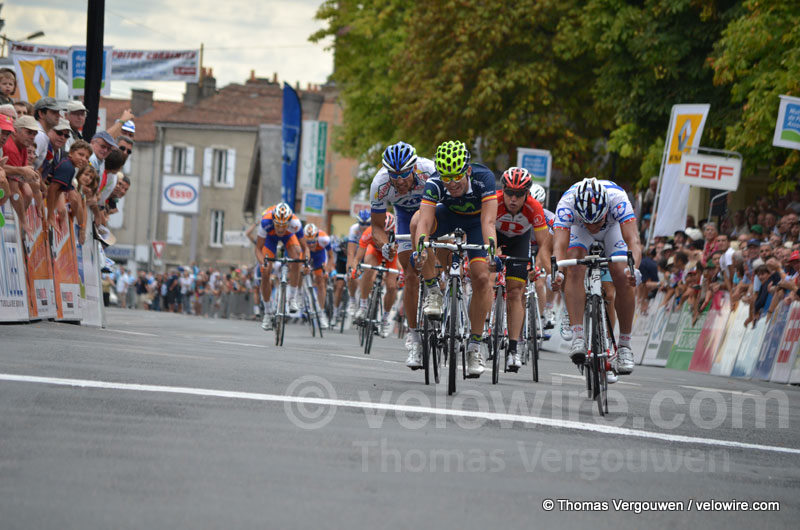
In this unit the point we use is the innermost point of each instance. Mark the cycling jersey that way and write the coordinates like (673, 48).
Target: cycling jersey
(530, 216)
(382, 192)
(620, 209)
(323, 243)
(355, 232)
(550, 218)
(267, 225)
(481, 188)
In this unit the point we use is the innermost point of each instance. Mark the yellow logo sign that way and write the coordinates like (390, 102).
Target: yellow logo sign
(683, 136)
(38, 78)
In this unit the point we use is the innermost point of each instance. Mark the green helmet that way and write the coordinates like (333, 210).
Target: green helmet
(451, 158)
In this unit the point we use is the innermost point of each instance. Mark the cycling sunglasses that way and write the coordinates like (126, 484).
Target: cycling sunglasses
(403, 175)
(515, 193)
(453, 178)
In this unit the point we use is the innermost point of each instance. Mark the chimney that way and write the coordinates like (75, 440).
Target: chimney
(141, 101)
(192, 94)
(252, 75)
(275, 77)
(209, 87)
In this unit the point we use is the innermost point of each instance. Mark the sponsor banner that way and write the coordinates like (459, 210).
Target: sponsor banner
(713, 331)
(642, 325)
(356, 205)
(685, 129)
(59, 53)
(66, 279)
(787, 127)
(89, 271)
(748, 352)
(313, 149)
(230, 238)
(156, 65)
(734, 337)
(772, 341)
(538, 162)
(313, 203)
(680, 356)
(13, 287)
(180, 194)
(788, 348)
(715, 172)
(678, 320)
(290, 144)
(39, 269)
(656, 335)
(77, 71)
(36, 77)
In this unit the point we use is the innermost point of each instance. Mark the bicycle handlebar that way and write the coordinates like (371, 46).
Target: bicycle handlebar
(285, 260)
(590, 261)
(378, 268)
(455, 246)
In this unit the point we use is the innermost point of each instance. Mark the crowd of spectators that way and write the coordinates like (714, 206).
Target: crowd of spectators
(753, 254)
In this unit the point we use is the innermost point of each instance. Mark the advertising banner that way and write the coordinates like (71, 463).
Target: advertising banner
(788, 348)
(685, 129)
(156, 65)
(712, 333)
(89, 272)
(290, 146)
(77, 71)
(642, 326)
(787, 127)
(13, 288)
(680, 356)
(715, 172)
(36, 77)
(734, 337)
(748, 352)
(41, 293)
(66, 277)
(59, 53)
(538, 162)
(313, 203)
(772, 341)
(180, 194)
(313, 149)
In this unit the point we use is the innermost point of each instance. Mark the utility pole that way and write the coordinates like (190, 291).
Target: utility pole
(95, 18)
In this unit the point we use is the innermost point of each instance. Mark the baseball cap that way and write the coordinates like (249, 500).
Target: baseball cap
(754, 243)
(6, 124)
(62, 125)
(103, 135)
(795, 256)
(694, 233)
(47, 103)
(758, 229)
(26, 122)
(129, 126)
(74, 105)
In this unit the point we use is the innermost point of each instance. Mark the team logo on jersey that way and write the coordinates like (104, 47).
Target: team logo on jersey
(466, 207)
(621, 208)
(572, 237)
(565, 215)
(537, 220)
(620, 244)
(383, 190)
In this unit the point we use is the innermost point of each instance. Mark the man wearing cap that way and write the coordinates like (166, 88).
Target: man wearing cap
(129, 129)
(102, 144)
(6, 128)
(47, 112)
(57, 137)
(23, 180)
(791, 281)
(76, 115)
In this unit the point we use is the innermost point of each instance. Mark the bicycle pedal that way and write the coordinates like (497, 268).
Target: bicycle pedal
(473, 376)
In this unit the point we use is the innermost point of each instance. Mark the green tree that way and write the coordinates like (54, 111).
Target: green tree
(758, 58)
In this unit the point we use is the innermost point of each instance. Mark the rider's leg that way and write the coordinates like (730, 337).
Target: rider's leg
(625, 298)
(481, 295)
(574, 292)
(514, 308)
(610, 292)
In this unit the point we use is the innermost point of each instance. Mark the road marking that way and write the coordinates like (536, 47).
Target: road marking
(492, 416)
(240, 343)
(362, 358)
(583, 377)
(133, 332)
(714, 389)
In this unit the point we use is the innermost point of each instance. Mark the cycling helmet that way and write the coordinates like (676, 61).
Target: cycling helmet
(389, 224)
(591, 201)
(538, 193)
(310, 231)
(399, 158)
(363, 217)
(516, 178)
(282, 214)
(451, 158)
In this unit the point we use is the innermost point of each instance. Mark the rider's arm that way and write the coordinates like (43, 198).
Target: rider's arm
(545, 241)
(427, 215)
(560, 243)
(489, 219)
(631, 236)
(330, 262)
(360, 252)
(379, 237)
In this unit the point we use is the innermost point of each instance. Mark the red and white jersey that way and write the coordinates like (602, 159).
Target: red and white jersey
(530, 216)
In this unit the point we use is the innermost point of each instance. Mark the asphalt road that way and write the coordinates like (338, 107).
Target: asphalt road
(170, 421)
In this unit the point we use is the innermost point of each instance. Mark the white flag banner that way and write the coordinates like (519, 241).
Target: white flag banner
(685, 129)
(156, 65)
(787, 128)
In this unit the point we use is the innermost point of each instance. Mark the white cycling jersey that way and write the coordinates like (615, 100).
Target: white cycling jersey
(382, 192)
(355, 232)
(619, 208)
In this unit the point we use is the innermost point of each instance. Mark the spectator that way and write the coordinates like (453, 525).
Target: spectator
(125, 144)
(123, 283)
(23, 181)
(76, 116)
(102, 145)
(8, 85)
(55, 153)
(61, 192)
(47, 112)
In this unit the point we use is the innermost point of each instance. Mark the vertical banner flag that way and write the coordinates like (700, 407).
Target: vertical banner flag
(66, 276)
(290, 135)
(77, 71)
(538, 162)
(313, 152)
(685, 129)
(41, 293)
(36, 77)
(787, 128)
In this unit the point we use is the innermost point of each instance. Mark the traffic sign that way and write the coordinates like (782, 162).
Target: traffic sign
(158, 248)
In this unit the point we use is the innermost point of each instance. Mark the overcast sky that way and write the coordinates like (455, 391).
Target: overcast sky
(239, 35)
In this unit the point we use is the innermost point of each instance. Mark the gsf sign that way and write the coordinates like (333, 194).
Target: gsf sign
(715, 172)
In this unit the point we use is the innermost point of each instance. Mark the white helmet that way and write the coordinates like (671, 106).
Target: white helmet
(538, 193)
(591, 201)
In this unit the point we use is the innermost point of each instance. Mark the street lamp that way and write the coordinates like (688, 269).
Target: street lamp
(32, 36)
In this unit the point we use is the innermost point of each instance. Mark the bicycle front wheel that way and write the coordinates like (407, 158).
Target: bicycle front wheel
(497, 333)
(280, 317)
(453, 344)
(534, 324)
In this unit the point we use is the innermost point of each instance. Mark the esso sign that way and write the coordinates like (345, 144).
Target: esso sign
(714, 172)
(180, 194)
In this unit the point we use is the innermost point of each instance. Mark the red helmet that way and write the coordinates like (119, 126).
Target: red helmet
(517, 178)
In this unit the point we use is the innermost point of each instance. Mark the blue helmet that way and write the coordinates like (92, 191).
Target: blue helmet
(363, 217)
(399, 158)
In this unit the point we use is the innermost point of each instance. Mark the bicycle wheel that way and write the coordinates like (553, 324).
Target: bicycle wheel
(370, 327)
(343, 302)
(534, 323)
(602, 356)
(280, 316)
(453, 344)
(435, 357)
(314, 311)
(426, 349)
(497, 333)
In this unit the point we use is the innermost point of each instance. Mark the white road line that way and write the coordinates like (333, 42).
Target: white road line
(582, 377)
(241, 344)
(492, 416)
(714, 389)
(133, 332)
(362, 358)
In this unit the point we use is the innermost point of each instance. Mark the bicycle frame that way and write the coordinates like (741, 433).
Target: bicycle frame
(281, 314)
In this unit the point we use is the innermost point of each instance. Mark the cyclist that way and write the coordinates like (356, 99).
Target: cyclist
(459, 195)
(520, 220)
(369, 253)
(278, 223)
(321, 258)
(400, 182)
(356, 230)
(547, 296)
(339, 247)
(598, 210)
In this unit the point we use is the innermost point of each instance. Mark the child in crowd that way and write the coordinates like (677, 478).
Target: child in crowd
(8, 85)
(61, 190)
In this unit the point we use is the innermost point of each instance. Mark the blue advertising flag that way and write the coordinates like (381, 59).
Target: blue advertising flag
(290, 134)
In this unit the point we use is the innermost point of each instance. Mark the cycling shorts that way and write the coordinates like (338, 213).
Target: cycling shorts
(318, 259)
(394, 264)
(403, 227)
(517, 247)
(447, 221)
(610, 237)
(271, 243)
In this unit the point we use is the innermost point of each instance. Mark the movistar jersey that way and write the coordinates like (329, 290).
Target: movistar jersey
(481, 189)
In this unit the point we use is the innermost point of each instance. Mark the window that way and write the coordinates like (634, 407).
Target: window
(216, 234)
(219, 170)
(175, 229)
(219, 166)
(179, 160)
